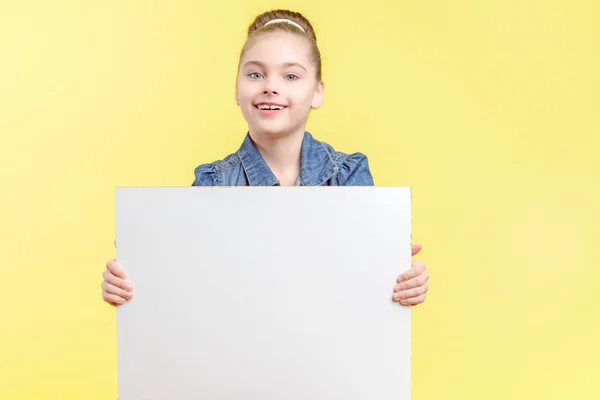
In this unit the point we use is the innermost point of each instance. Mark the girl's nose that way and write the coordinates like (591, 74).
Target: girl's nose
(270, 87)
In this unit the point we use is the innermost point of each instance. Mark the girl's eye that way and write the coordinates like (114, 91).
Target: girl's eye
(291, 77)
(255, 75)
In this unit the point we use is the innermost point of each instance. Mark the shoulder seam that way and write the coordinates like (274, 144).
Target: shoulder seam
(227, 162)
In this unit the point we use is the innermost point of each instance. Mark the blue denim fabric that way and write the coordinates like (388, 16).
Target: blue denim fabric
(321, 165)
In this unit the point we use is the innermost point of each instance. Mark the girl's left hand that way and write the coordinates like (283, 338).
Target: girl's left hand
(412, 285)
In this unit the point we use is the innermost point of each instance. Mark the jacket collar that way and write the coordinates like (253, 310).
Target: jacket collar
(316, 165)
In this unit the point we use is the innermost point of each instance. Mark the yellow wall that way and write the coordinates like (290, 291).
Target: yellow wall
(490, 110)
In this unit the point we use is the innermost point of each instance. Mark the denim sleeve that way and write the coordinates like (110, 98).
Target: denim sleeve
(205, 175)
(354, 171)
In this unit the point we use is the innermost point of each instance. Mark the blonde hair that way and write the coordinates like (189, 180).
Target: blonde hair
(286, 21)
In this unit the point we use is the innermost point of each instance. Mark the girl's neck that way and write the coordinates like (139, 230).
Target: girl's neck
(282, 153)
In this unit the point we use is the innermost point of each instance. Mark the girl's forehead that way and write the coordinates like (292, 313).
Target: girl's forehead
(277, 47)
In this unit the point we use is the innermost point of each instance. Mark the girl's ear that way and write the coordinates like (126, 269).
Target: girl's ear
(318, 96)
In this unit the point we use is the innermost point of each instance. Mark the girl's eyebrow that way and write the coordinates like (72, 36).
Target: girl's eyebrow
(285, 65)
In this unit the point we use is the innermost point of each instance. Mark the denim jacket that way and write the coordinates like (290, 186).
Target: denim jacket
(320, 165)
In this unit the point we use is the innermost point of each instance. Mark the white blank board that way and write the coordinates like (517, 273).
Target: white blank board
(264, 293)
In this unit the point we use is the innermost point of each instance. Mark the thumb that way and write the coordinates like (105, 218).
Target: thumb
(416, 248)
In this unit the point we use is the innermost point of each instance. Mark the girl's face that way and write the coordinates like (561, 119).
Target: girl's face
(276, 84)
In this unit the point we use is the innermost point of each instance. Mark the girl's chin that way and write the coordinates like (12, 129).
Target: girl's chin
(273, 131)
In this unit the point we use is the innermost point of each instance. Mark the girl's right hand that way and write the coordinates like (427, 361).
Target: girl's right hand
(116, 289)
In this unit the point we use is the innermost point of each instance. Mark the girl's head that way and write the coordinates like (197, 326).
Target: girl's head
(279, 74)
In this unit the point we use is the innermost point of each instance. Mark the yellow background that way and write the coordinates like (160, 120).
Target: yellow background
(489, 110)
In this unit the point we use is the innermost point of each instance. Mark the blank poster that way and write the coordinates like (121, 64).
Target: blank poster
(264, 293)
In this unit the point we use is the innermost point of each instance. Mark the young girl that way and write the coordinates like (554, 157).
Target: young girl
(278, 83)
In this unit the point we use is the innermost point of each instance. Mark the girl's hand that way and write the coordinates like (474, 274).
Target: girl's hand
(412, 285)
(116, 289)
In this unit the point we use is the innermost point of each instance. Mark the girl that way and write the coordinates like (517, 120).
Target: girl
(278, 83)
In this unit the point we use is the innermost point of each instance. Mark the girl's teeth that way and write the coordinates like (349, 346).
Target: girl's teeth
(266, 107)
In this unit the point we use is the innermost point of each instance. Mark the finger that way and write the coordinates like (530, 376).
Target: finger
(112, 299)
(408, 275)
(417, 281)
(112, 289)
(414, 292)
(413, 301)
(416, 269)
(114, 267)
(118, 282)
(416, 248)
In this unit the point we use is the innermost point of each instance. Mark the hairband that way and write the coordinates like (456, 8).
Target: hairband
(287, 21)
